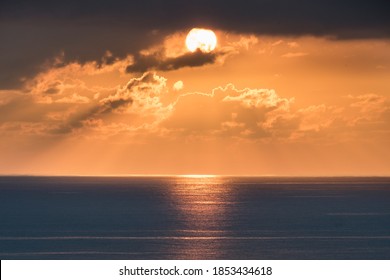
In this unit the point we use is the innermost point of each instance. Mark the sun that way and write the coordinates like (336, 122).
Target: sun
(201, 39)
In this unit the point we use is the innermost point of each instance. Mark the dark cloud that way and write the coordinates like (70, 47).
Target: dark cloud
(143, 63)
(135, 89)
(110, 105)
(332, 17)
(28, 46)
(32, 32)
(77, 120)
(51, 91)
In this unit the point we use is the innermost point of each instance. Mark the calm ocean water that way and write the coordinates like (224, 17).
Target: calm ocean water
(194, 218)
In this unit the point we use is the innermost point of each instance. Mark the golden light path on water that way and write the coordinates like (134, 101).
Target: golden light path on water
(203, 203)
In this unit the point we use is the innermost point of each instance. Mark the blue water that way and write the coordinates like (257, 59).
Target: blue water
(194, 218)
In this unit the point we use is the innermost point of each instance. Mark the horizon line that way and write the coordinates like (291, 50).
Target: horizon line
(194, 175)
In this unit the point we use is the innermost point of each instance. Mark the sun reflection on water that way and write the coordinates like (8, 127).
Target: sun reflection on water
(198, 176)
(203, 204)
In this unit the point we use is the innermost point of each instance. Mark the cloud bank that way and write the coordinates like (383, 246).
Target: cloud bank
(147, 104)
(32, 34)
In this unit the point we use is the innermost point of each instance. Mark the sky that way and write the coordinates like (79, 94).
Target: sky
(293, 88)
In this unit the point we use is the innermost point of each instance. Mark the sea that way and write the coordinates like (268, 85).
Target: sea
(194, 217)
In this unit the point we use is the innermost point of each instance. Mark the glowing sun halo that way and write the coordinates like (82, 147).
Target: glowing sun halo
(202, 39)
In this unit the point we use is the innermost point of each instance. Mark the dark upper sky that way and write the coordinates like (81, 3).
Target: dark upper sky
(33, 32)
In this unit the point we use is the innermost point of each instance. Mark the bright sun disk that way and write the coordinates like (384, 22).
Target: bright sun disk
(202, 39)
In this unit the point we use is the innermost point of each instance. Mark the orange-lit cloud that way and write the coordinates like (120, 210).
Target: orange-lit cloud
(262, 105)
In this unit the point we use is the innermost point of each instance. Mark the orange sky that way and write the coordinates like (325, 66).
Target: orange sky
(294, 106)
